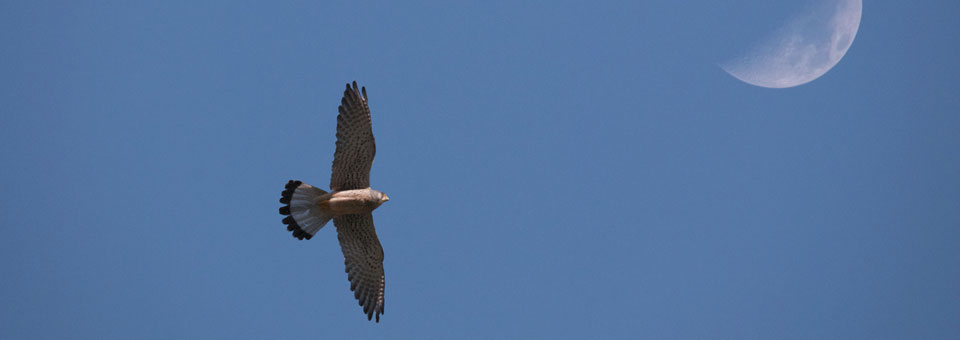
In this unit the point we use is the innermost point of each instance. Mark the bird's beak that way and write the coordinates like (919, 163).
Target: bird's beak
(385, 198)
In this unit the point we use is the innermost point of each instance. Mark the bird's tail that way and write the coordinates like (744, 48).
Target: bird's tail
(306, 217)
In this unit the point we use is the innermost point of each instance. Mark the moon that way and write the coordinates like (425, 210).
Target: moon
(805, 48)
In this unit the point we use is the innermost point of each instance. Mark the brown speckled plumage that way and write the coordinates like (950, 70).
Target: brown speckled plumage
(350, 203)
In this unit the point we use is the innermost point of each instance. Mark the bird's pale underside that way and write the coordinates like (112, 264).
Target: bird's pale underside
(349, 203)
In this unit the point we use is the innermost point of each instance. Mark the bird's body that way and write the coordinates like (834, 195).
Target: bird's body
(357, 201)
(349, 203)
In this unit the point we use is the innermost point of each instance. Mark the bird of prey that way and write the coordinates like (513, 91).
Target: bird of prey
(349, 203)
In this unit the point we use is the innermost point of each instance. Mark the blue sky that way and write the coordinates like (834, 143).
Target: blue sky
(556, 170)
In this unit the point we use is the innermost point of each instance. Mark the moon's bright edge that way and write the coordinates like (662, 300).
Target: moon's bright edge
(804, 49)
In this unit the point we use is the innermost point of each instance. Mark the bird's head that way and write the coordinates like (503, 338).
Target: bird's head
(374, 199)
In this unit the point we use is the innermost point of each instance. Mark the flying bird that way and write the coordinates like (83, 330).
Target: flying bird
(349, 203)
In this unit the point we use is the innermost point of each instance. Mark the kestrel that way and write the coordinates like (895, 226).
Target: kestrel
(349, 203)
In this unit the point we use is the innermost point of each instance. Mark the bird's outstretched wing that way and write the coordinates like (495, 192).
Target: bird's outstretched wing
(355, 144)
(363, 257)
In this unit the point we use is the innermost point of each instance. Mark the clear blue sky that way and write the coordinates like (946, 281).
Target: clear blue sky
(556, 169)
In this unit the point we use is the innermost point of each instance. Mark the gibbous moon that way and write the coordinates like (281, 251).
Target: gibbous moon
(804, 49)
